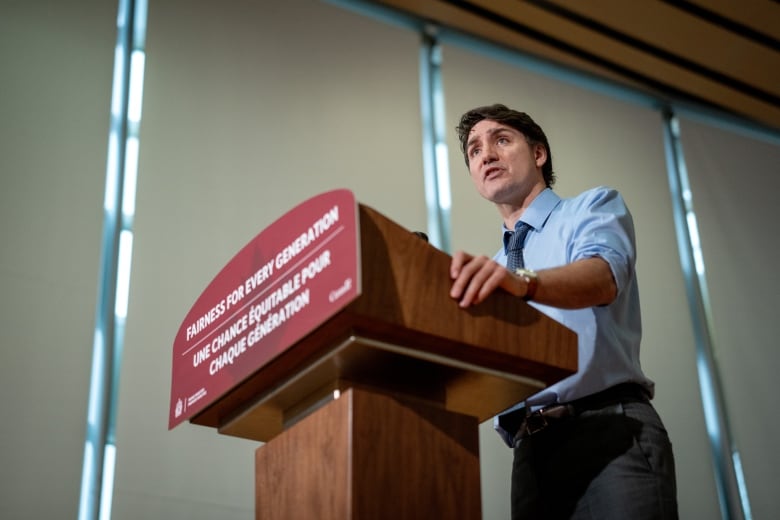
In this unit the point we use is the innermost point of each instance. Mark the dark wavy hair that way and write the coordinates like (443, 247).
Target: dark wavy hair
(520, 121)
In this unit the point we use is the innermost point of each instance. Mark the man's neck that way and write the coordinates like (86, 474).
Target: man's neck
(511, 213)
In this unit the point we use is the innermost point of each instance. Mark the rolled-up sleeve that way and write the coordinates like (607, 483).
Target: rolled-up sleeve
(606, 230)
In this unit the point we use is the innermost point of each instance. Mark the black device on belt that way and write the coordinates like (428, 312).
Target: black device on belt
(524, 424)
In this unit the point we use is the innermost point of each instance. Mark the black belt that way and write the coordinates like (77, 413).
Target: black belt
(520, 423)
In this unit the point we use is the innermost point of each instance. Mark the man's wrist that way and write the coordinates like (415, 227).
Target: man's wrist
(531, 280)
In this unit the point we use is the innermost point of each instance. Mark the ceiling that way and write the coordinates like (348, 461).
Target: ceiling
(723, 54)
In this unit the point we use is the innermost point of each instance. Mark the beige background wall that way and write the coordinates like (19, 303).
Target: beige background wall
(56, 62)
(249, 108)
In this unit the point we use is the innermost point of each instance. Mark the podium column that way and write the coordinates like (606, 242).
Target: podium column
(371, 456)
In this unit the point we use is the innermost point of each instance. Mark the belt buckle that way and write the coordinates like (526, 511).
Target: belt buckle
(535, 422)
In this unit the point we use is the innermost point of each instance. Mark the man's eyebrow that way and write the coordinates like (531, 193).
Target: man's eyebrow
(490, 131)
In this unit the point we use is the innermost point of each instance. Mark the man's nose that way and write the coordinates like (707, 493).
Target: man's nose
(489, 154)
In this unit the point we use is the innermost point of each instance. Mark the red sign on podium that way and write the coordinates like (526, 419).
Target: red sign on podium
(287, 281)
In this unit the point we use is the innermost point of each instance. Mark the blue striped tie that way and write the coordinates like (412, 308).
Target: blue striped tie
(514, 246)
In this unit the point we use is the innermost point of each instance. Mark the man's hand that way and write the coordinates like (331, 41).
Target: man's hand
(583, 283)
(476, 277)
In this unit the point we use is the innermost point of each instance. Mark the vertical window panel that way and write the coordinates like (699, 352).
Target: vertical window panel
(734, 179)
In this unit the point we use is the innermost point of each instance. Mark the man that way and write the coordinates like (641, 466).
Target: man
(590, 446)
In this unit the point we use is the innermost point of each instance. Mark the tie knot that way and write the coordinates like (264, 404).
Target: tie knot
(522, 228)
(516, 238)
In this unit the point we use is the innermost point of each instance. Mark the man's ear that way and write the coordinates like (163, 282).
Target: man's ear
(540, 154)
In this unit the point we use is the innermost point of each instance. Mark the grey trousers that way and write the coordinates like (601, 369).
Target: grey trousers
(611, 463)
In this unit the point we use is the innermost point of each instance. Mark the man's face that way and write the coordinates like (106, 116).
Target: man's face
(504, 167)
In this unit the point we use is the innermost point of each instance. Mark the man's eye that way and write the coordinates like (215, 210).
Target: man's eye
(502, 140)
(473, 152)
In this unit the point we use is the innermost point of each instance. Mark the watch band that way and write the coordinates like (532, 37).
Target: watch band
(532, 281)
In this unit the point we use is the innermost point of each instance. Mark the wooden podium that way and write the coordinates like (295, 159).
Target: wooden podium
(375, 414)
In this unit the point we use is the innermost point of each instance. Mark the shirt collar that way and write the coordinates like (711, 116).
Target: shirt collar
(539, 211)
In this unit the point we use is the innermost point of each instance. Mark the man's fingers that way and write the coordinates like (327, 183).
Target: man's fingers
(459, 259)
(461, 270)
(480, 278)
(491, 284)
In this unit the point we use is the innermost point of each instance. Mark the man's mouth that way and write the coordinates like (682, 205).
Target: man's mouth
(491, 172)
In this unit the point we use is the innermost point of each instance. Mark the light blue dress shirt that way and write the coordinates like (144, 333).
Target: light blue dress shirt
(596, 223)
